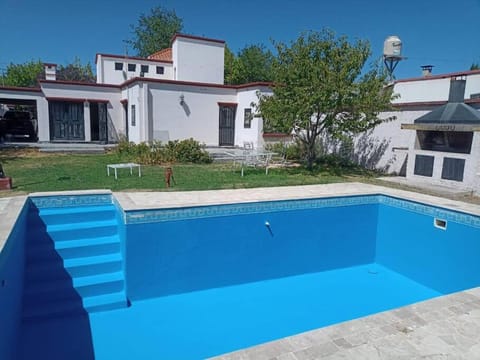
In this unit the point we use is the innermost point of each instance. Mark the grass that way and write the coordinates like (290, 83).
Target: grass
(32, 171)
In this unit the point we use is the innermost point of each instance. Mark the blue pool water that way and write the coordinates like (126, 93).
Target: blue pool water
(193, 283)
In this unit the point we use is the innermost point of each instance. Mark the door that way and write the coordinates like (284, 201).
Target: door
(66, 121)
(227, 125)
(98, 122)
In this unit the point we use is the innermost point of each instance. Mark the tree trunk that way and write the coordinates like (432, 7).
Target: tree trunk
(310, 155)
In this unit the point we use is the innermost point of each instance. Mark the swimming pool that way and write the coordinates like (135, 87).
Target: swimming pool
(201, 281)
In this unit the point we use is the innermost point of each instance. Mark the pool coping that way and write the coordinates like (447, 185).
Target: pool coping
(443, 327)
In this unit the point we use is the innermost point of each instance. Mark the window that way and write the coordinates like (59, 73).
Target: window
(423, 165)
(160, 70)
(247, 118)
(144, 69)
(453, 169)
(132, 67)
(118, 66)
(447, 141)
(132, 115)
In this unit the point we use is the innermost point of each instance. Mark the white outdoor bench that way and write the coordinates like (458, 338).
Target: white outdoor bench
(130, 166)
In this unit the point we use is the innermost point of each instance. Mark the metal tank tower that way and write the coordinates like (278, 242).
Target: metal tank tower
(392, 53)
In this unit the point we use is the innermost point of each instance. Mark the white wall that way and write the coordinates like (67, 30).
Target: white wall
(386, 146)
(245, 98)
(422, 90)
(106, 73)
(198, 60)
(471, 179)
(426, 89)
(132, 95)
(472, 85)
(197, 118)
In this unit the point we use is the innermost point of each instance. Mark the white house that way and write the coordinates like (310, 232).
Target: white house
(175, 93)
(179, 92)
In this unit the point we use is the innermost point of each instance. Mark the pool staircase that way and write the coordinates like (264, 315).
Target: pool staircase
(74, 261)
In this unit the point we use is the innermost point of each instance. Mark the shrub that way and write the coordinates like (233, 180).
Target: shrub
(291, 151)
(185, 151)
(126, 148)
(190, 150)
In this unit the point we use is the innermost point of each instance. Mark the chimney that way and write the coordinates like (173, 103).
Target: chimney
(50, 71)
(426, 70)
(457, 89)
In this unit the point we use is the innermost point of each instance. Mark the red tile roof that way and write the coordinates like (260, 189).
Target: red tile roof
(129, 57)
(163, 55)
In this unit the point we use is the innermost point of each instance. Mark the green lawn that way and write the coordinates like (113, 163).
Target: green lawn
(32, 172)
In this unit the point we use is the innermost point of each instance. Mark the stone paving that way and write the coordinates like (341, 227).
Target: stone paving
(446, 327)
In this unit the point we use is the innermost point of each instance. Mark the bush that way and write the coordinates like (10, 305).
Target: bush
(185, 151)
(191, 151)
(292, 151)
(126, 148)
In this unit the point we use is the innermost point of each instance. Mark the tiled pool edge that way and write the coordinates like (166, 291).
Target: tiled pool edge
(195, 212)
(10, 209)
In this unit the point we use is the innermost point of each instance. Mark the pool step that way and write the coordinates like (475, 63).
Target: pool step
(74, 262)
(57, 216)
(74, 248)
(75, 306)
(79, 266)
(80, 230)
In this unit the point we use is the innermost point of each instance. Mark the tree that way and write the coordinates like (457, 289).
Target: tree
(253, 63)
(475, 66)
(23, 75)
(321, 89)
(228, 65)
(154, 31)
(76, 72)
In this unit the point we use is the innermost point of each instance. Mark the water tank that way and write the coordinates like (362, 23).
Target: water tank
(392, 47)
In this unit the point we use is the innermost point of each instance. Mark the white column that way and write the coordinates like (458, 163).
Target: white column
(86, 118)
(43, 120)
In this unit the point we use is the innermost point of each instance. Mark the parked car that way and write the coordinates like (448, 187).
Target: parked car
(16, 125)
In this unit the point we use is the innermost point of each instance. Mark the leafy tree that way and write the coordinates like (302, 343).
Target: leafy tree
(322, 89)
(154, 31)
(475, 66)
(253, 63)
(76, 72)
(228, 65)
(23, 75)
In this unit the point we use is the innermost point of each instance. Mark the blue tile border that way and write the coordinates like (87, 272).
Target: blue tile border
(70, 200)
(187, 213)
(159, 215)
(197, 212)
(433, 211)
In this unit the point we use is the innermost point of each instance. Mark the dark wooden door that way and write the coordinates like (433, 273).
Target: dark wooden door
(66, 121)
(227, 125)
(98, 122)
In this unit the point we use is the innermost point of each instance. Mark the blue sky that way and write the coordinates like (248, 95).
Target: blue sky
(444, 33)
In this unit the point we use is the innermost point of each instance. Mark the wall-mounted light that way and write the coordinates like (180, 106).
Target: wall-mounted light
(182, 99)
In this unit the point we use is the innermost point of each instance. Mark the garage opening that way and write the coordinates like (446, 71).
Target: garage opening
(18, 120)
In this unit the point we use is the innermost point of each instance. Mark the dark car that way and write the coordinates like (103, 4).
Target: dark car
(16, 125)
